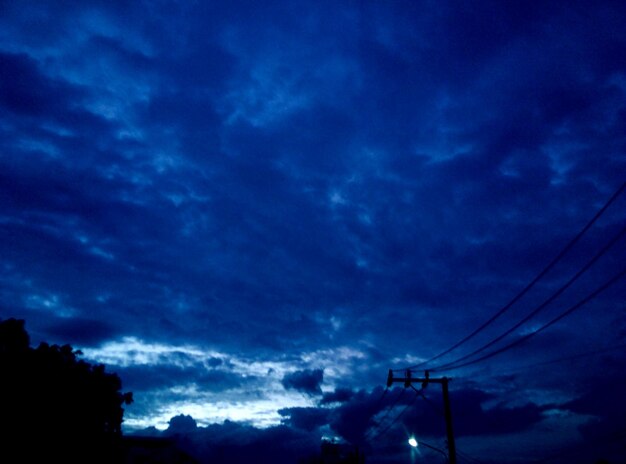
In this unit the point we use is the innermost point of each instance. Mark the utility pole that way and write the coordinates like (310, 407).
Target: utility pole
(408, 381)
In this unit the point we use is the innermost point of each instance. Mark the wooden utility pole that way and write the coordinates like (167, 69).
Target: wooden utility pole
(408, 381)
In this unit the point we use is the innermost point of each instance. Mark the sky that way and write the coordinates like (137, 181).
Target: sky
(251, 211)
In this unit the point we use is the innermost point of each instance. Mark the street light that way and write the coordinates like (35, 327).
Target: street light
(414, 444)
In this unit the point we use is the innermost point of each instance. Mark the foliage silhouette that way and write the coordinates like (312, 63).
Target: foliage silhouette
(53, 406)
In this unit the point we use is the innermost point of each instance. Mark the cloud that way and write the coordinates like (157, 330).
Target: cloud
(239, 443)
(352, 419)
(373, 180)
(374, 415)
(473, 417)
(305, 381)
(27, 92)
(82, 332)
(181, 424)
(339, 395)
(145, 378)
(304, 418)
(601, 402)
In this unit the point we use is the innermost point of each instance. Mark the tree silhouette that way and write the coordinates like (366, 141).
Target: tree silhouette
(53, 406)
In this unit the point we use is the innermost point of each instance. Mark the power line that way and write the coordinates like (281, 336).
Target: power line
(434, 448)
(526, 337)
(396, 419)
(418, 393)
(389, 409)
(408, 380)
(573, 357)
(467, 457)
(431, 404)
(380, 400)
(530, 285)
(539, 308)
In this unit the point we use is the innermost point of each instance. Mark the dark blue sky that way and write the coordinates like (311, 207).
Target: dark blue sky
(252, 210)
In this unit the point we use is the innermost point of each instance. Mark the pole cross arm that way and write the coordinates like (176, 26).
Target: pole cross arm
(408, 380)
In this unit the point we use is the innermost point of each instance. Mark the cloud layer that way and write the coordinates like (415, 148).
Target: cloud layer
(252, 211)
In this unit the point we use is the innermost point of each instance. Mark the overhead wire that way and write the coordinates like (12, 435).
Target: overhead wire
(396, 419)
(573, 357)
(420, 393)
(543, 305)
(539, 276)
(545, 326)
(458, 362)
(434, 448)
(435, 408)
(467, 457)
(389, 408)
(380, 400)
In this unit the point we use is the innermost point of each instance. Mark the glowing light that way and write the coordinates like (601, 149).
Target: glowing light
(413, 442)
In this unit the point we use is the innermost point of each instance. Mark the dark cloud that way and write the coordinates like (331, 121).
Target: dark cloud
(82, 332)
(281, 183)
(370, 416)
(472, 416)
(352, 419)
(340, 395)
(45, 107)
(305, 381)
(25, 91)
(600, 401)
(239, 443)
(304, 418)
(181, 424)
(168, 374)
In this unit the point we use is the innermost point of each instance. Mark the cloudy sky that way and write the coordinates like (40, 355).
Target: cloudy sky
(252, 210)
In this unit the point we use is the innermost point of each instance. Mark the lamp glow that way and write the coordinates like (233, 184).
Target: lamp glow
(413, 442)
